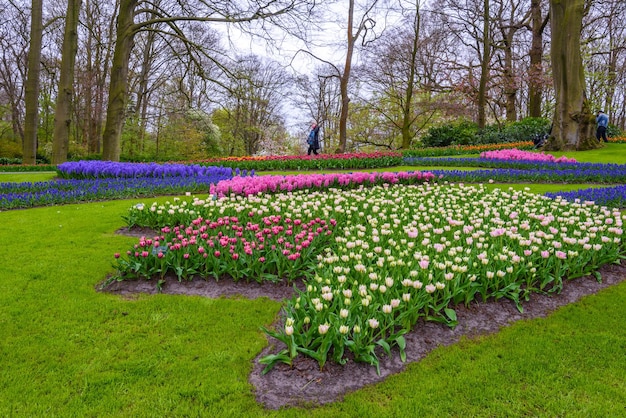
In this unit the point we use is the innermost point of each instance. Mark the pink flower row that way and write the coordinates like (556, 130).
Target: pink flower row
(515, 154)
(261, 184)
(273, 249)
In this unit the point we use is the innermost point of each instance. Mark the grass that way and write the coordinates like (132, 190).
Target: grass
(28, 176)
(607, 154)
(68, 350)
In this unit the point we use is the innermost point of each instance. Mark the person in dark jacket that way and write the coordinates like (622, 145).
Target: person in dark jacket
(603, 123)
(314, 139)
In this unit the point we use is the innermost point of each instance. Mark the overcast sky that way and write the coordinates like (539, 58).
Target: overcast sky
(327, 41)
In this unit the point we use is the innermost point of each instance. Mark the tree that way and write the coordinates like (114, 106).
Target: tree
(320, 98)
(485, 57)
(62, 115)
(254, 100)
(400, 73)
(535, 72)
(573, 122)
(13, 55)
(510, 19)
(230, 12)
(354, 33)
(470, 23)
(31, 96)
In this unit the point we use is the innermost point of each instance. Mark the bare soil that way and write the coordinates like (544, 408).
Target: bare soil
(304, 383)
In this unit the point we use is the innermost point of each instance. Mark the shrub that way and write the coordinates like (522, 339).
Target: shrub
(613, 131)
(459, 133)
(467, 133)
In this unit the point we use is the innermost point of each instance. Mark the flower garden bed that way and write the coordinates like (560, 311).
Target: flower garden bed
(395, 255)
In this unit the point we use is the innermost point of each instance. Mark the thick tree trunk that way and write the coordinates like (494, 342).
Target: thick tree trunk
(484, 68)
(31, 95)
(62, 114)
(535, 71)
(573, 123)
(118, 88)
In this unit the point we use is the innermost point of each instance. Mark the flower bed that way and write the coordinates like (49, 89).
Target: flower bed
(263, 184)
(269, 248)
(517, 155)
(305, 162)
(394, 254)
(110, 169)
(24, 168)
(499, 163)
(464, 149)
(573, 175)
(605, 196)
(26, 195)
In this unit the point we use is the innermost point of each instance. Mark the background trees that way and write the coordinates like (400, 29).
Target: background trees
(184, 83)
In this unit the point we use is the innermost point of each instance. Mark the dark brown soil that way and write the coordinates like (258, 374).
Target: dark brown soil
(305, 384)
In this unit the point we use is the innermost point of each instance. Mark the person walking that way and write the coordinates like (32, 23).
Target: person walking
(314, 139)
(602, 119)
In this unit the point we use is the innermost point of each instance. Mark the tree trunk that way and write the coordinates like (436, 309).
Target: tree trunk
(484, 68)
(407, 116)
(141, 108)
(573, 123)
(510, 83)
(62, 115)
(535, 72)
(31, 95)
(343, 83)
(615, 53)
(118, 88)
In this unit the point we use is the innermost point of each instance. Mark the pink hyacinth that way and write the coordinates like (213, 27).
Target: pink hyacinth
(252, 185)
(517, 155)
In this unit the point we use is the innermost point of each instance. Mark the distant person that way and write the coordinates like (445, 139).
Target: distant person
(314, 139)
(602, 119)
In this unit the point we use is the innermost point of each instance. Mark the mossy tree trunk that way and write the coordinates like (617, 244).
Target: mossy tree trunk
(62, 114)
(573, 123)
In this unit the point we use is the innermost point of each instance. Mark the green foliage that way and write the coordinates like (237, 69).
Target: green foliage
(10, 161)
(467, 133)
(613, 131)
(227, 142)
(210, 133)
(523, 130)
(458, 133)
(10, 148)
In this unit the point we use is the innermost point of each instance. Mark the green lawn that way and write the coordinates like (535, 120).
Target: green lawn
(68, 350)
(608, 154)
(28, 177)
